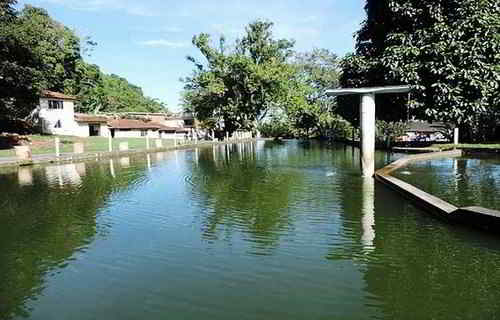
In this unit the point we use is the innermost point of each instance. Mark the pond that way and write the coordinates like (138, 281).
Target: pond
(465, 181)
(245, 231)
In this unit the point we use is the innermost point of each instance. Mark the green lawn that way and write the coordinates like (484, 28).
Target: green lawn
(46, 145)
(466, 145)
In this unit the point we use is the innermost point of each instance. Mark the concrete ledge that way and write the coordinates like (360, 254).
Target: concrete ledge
(429, 202)
(486, 219)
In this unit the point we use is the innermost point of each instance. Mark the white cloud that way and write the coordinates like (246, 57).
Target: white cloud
(163, 43)
(129, 6)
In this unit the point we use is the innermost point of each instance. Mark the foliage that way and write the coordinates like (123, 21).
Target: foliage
(37, 53)
(237, 87)
(317, 71)
(448, 50)
(387, 131)
(276, 127)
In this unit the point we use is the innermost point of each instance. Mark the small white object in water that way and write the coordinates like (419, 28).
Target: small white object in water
(406, 173)
(330, 174)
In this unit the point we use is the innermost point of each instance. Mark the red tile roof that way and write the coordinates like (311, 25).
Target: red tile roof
(81, 117)
(56, 95)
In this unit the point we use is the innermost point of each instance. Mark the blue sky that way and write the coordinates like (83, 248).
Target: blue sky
(146, 41)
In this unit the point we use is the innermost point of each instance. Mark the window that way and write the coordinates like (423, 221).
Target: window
(55, 104)
(144, 133)
(58, 124)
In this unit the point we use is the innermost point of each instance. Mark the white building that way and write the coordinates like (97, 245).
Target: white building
(57, 116)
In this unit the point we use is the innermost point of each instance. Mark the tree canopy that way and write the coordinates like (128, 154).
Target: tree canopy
(447, 49)
(236, 87)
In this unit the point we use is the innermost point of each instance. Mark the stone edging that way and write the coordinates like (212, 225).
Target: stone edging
(471, 216)
(106, 154)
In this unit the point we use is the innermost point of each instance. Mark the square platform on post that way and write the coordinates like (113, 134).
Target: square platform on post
(367, 119)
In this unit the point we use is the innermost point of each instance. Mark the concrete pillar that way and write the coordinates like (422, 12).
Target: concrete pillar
(147, 141)
(123, 146)
(57, 142)
(175, 139)
(455, 136)
(110, 143)
(23, 152)
(158, 143)
(367, 117)
(78, 147)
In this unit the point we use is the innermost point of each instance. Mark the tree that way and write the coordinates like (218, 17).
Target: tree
(447, 49)
(237, 88)
(317, 71)
(19, 72)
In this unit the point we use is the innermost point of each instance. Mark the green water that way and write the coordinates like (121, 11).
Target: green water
(462, 181)
(248, 231)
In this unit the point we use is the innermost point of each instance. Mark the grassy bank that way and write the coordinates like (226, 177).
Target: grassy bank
(45, 144)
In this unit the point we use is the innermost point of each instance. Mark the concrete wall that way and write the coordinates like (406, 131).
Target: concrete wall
(135, 133)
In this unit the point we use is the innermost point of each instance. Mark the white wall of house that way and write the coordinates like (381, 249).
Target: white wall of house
(65, 117)
(82, 129)
(176, 123)
(58, 121)
(172, 136)
(135, 133)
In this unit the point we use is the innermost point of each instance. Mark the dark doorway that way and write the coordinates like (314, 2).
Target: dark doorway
(94, 130)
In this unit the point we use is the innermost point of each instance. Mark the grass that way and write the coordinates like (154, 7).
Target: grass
(466, 145)
(45, 144)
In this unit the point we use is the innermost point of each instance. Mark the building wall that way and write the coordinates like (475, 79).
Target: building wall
(176, 123)
(135, 133)
(50, 117)
(172, 136)
(66, 116)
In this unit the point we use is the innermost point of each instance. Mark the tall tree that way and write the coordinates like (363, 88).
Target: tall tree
(447, 49)
(238, 87)
(317, 71)
(19, 72)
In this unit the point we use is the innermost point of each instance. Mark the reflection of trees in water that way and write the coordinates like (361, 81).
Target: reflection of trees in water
(461, 181)
(425, 269)
(44, 219)
(240, 193)
(418, 267)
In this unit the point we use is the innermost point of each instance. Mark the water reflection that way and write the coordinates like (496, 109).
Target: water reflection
(368, 212)
(243, 231)
(25, 176)
(461, 181)
(64, 174)
(242, 196)
(125, 162)
(44, 225)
